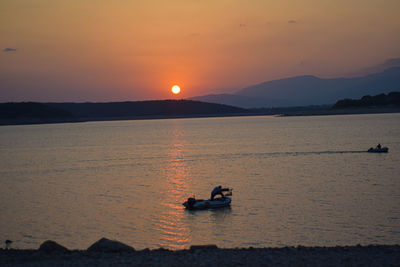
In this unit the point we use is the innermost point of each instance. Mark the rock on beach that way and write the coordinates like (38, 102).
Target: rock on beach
(107, 245)
(50, 246)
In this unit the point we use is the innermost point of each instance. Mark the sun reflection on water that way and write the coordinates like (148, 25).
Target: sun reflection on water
(174, 233)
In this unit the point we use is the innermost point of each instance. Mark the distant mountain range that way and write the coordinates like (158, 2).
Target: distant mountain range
(308, 90)
(302, 95)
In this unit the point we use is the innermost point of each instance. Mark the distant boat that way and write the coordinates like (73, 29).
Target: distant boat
(378, 150)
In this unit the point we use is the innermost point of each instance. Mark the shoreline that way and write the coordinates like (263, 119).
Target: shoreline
(283, 113)
(113, 253)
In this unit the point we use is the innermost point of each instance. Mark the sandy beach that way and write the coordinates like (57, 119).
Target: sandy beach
(113, 253)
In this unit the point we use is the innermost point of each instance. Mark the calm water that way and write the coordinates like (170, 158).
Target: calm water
(296, 181)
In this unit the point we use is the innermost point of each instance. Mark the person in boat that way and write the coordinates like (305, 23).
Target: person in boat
(379, 146)
(218, 191)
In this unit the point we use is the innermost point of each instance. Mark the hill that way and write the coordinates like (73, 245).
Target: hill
(31, 112)
(145, 108)
(309, 90)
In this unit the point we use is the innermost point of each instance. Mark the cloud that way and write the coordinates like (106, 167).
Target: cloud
(9, 49)
(292, 21)
(389, 63)
(392, 62)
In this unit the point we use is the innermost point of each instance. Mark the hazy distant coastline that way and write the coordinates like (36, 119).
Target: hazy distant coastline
(43, 113)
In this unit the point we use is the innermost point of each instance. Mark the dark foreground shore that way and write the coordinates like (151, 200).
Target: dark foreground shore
(112, 253)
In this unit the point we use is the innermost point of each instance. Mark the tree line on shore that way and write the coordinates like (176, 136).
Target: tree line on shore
(391, 99)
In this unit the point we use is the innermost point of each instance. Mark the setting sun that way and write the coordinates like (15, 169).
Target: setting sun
(175, 89)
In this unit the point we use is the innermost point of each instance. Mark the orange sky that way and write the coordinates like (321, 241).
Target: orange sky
(135, 50)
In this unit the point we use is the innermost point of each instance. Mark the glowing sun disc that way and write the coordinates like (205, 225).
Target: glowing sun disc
(175, 89)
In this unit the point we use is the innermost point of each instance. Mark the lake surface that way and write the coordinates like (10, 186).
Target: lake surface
(296, 181)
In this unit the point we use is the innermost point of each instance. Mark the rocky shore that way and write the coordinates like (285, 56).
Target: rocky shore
(113, 253)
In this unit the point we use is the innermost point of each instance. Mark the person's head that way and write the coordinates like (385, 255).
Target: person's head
(219, 186)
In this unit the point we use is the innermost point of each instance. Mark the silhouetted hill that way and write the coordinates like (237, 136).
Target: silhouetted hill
(32, 113)
(392, 99)
(31, 110)
(309, 90)
(145, 108)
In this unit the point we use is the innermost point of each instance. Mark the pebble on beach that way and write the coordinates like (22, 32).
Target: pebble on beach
(107, 252)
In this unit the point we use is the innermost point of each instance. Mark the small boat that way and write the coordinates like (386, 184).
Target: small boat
(378, 150)
(201, 204)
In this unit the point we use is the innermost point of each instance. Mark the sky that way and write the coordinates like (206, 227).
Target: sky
(127, 50)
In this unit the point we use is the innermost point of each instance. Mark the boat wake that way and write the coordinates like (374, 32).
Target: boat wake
(267, 154)
(302, 153)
